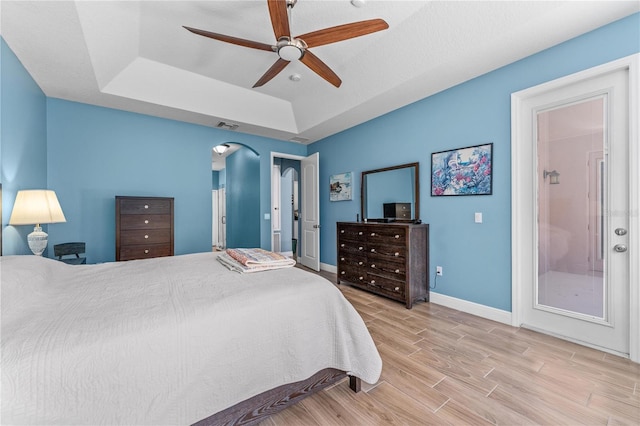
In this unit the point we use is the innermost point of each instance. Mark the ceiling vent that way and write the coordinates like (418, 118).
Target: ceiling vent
(228, 126)
(300, 140)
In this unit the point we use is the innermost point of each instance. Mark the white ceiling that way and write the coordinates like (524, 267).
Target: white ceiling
(135, 55)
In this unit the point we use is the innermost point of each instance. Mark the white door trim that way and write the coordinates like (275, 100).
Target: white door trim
(522, 198)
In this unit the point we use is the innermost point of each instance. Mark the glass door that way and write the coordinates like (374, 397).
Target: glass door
(571, 199)
(579, 181)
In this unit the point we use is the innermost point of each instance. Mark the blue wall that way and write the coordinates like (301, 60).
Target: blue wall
(476, 257)
(243, 199)
(23, 145)
(96, 153)
(90, 154)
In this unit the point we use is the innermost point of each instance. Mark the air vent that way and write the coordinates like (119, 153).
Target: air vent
(227, 126)
(300, 140)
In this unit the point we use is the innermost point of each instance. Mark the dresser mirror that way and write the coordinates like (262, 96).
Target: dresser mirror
(391, 194)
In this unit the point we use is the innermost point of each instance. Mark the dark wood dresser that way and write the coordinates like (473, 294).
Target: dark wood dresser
(144, 227)
(389, 259)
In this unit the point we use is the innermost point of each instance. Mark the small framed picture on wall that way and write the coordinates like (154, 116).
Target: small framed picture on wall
(340, 187)
(462, 171)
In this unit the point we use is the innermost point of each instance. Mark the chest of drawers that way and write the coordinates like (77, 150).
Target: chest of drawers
(389, 259)
(144, 227)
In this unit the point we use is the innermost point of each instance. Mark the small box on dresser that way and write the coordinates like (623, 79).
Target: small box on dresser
(388, 259)
(144, 227)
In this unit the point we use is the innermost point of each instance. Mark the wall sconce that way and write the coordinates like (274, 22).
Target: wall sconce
(221, 149)
(553, 177)
(36, 206)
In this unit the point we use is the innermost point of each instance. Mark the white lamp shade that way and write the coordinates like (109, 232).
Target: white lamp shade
(36, 206)
(221, 149)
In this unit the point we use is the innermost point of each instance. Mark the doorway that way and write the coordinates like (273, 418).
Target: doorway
(285, 206)
(573, 181)
(308, 241)
(236, 209)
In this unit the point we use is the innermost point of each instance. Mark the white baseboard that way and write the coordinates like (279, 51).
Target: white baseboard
(329, 268)
(482, 311)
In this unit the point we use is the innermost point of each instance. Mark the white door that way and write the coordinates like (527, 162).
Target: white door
(276, 222)
(222, 218)
(571, 211)
(215, 214)
(310, 212)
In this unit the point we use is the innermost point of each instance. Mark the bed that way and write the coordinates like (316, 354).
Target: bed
(170, 341)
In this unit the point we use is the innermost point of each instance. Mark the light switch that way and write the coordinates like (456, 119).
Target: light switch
(478, 217)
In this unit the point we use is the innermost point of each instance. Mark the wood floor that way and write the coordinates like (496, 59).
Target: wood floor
(442, 366)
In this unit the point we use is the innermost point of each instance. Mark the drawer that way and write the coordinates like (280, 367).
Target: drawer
(352, 247)
(145, 251)
(145, 221)
(386, 253)
(347, 259)
(391, 293)
(387, 285)
(387, 235)
(352, 232)
(353, 275)
(142, 236)
(396, 271)
(145, 206)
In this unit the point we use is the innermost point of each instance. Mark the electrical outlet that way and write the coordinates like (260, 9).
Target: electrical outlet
(439, 270)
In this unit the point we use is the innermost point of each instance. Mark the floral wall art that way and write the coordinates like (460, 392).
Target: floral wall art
(462, 171)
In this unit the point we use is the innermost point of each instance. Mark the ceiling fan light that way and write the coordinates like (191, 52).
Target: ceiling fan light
(289, 52)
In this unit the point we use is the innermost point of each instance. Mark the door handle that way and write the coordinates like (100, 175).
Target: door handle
(620, 248)
(316, 226)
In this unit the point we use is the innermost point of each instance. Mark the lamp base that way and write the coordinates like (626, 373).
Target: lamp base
(37, 240)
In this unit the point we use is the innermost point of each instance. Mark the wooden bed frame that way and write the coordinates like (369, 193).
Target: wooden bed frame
(259, 407)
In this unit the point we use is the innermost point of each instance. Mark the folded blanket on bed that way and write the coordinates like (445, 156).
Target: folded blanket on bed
(258, 256)
(253, 260)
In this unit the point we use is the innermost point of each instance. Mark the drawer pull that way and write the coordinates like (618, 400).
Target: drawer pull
(146, 251)
(146, 221)
(373, 234)
(342, 273)
(361, 278)
(359, 248)
(146, 206)
(373, 282)
(397, 271)
(360, 233)
(397, 236)
(342, 231)
(396, 254)
(342, 245)
(373, 266)
(373, 250)
(342, 259)
(359, 263)
(397, 288)
(146, 236)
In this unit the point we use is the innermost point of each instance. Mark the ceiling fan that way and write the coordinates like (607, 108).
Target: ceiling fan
(291, 48)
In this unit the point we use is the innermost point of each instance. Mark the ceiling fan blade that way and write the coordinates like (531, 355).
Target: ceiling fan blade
(343, 32)
(320, 68)
(279, 18)
(272, 72)
(232, 40)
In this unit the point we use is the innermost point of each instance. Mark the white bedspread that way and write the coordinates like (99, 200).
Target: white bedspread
(164, 341)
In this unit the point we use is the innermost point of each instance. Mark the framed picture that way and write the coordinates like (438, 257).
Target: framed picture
(462, 171)
(340, 187)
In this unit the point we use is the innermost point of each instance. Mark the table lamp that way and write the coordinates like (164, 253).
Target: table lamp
(36, 206)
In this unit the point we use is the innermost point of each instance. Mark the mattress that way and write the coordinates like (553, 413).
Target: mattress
(164, 341)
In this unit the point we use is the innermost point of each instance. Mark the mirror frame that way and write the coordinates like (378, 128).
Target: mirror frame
(416, 185)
